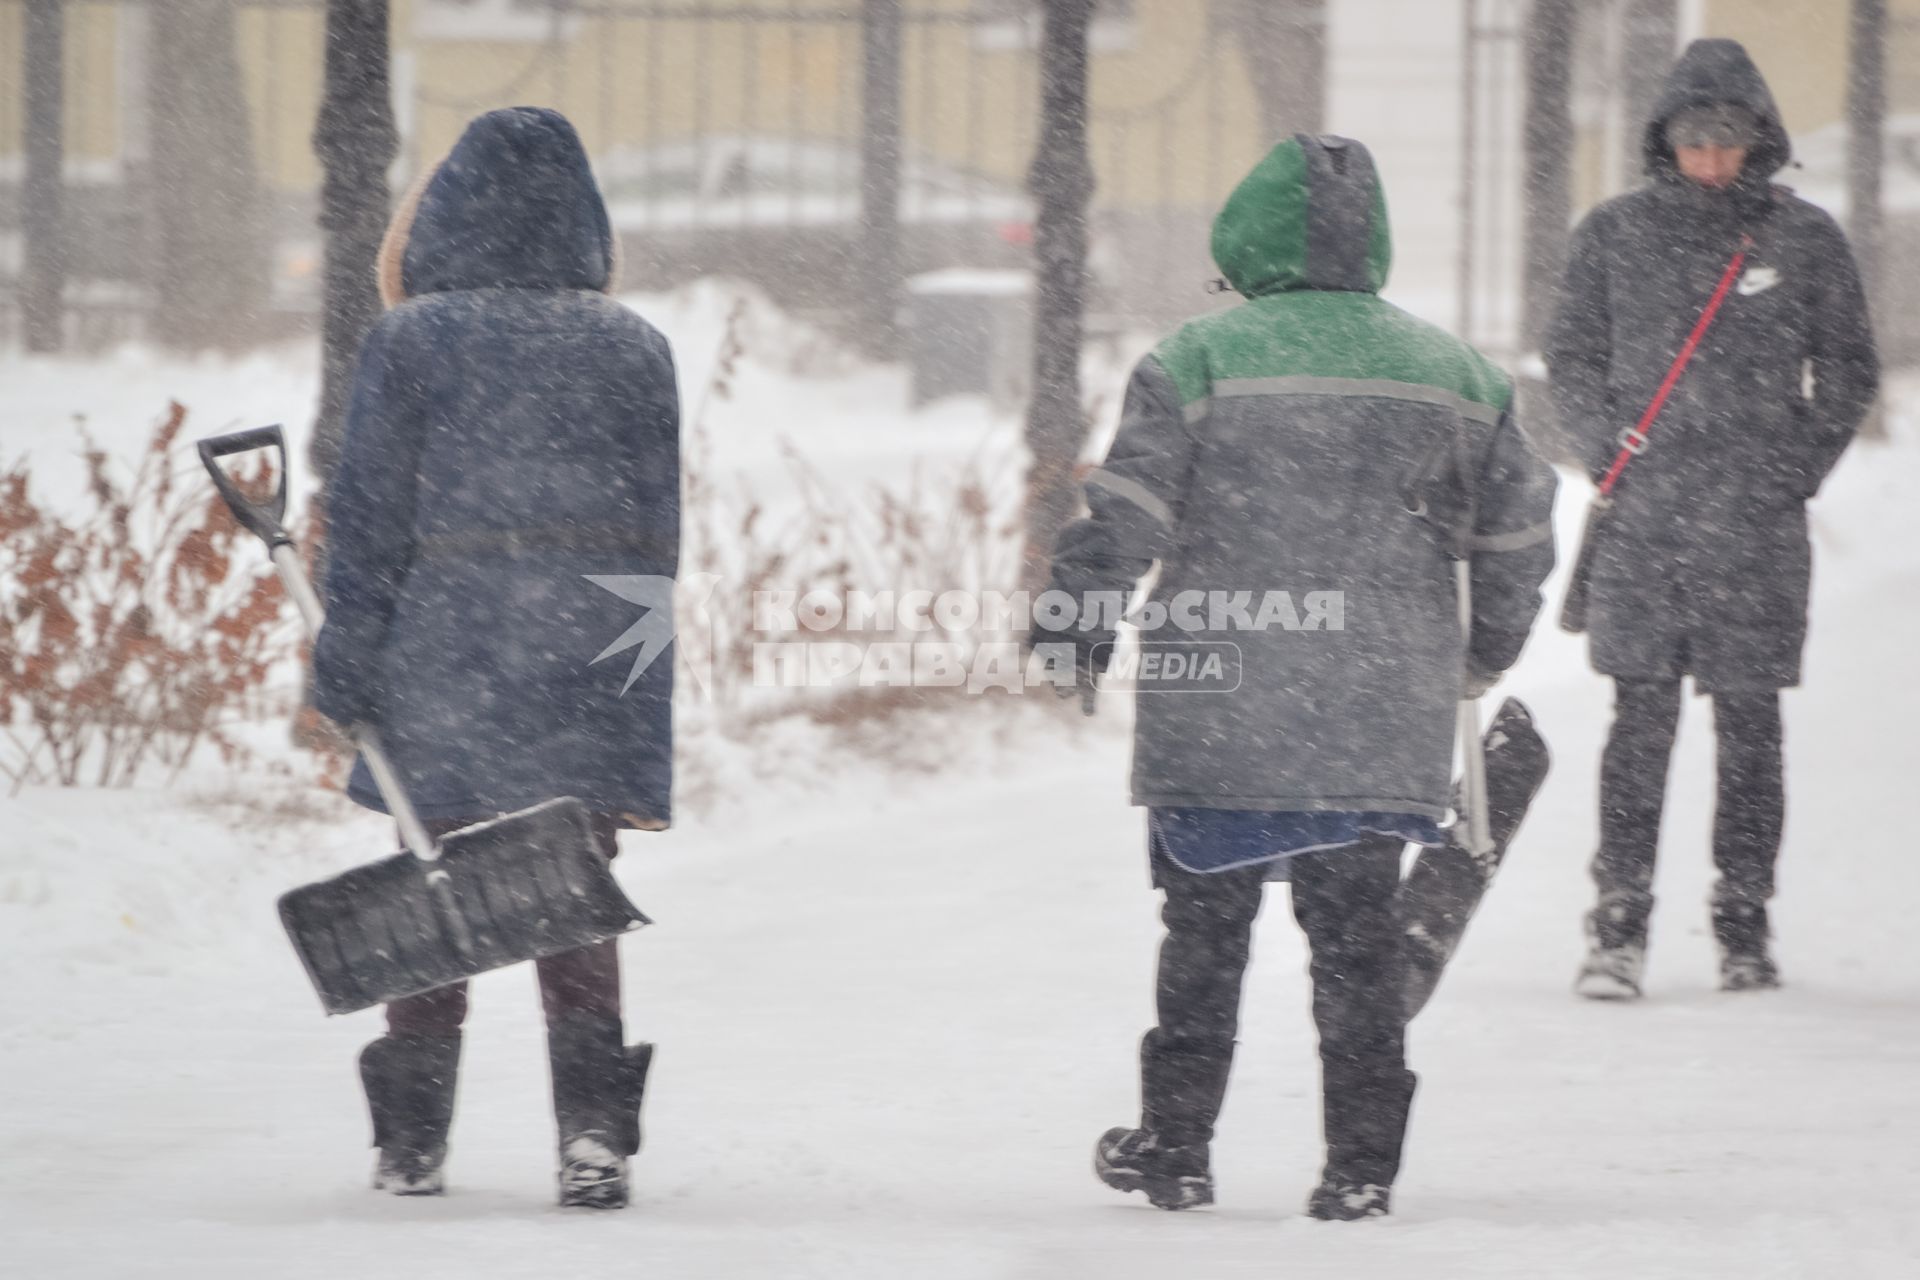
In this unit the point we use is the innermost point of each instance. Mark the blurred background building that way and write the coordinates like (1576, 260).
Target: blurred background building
(728, 136)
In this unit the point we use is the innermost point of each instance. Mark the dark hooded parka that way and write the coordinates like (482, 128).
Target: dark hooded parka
(1704, 567)
(511, 431)
(1315, 439)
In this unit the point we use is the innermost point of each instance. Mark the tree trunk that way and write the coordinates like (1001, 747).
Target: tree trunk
(1550, 31)
(1284, 43)
(1651, 30)
(44, 271)
(878, 250)
(1061, 181)
(1866, 132)
(356, 141)
(212, 278)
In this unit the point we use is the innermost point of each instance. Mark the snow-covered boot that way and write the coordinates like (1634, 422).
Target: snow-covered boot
(1182, 1086)
(1137, 1160)
(1349, 1201)
(1616, 951)
(1611, 973)
(1746, 960)
(1365, 1118)
(598, 1086)
(409, 1081)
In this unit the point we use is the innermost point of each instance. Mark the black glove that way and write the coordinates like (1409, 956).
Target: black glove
(1092, 652)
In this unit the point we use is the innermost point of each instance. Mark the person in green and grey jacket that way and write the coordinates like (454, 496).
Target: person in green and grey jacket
(1320, 444)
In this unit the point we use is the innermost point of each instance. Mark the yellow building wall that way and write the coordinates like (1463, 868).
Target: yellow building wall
(1801, 46)
(1173, 121)
(281, 54)
(90, 62)
(630, 82)
(13, 88)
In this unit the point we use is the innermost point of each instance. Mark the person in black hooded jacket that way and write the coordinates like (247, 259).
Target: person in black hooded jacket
(1702, 567)
(512, 433)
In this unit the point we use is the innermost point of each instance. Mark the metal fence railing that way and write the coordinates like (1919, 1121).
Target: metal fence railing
(728, 133)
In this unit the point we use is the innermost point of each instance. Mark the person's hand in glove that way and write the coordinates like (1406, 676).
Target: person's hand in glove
(1091, 654)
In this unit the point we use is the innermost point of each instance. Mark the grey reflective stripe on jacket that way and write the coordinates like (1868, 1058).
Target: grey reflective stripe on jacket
(1377, 388)
(1318, 488)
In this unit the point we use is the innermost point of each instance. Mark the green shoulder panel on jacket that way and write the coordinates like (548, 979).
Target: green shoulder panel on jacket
(1327, 335)
(1304, 238)
(1185, 359)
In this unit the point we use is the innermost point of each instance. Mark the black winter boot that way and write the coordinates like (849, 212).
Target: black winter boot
(1182, 1086)
(1137, 1160)
(1366, 1124)
(1746, 961)
(598, 1086)
(409, 1081)
(1349, 1202)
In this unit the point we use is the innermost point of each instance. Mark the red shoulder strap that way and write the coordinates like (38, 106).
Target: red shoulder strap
(1634, 442)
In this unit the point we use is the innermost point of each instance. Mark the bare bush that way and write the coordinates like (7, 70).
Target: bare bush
(129, 636)
(956, 532)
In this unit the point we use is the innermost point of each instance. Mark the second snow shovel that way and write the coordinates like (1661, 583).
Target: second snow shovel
(520, 887)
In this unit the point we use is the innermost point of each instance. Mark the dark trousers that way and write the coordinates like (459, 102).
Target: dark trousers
(1749, 810)
(586, 980)
(1344, 901)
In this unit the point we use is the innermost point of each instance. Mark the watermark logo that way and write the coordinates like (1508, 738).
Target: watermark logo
(1177, 666)
(1017, 641)
(826, 639)
(663, 622)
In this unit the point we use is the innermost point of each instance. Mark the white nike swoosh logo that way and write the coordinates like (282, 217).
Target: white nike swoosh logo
(1758, 280)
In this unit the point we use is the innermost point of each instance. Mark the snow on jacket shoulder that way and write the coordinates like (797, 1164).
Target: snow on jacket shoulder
(1306, 468)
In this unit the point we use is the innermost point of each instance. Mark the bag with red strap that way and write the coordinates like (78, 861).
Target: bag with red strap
(1573, 614)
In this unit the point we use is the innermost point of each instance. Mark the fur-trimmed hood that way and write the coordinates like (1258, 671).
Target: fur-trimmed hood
(514, 205)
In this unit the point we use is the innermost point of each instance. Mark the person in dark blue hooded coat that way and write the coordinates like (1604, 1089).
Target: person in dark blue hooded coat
(512, 443)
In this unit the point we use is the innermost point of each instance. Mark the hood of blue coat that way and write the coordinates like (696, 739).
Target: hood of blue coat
(513, 206)
(1710, 72)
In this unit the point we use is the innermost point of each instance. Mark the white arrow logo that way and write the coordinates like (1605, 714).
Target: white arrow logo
(1758, 280)
(653, 633)
(655, 630)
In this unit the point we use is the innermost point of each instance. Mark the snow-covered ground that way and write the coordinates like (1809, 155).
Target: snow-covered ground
(895, 1007)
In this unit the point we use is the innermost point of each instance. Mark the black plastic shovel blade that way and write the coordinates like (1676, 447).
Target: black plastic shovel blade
(517, 888)
(1446, 884)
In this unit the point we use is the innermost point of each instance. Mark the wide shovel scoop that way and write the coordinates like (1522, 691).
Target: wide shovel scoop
(516, 888)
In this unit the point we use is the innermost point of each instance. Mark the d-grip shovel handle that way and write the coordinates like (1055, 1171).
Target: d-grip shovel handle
(265, 522)
(261, 520)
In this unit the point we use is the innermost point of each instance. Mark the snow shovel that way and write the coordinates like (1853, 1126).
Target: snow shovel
(516, 888)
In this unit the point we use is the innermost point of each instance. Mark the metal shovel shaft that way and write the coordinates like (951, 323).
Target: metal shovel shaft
(293, 575)
(1474, 761)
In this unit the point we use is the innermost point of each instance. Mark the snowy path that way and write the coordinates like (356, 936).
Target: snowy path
(895, 1013)
(894, 1018)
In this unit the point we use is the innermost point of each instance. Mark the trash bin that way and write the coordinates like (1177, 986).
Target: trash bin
(971, 334)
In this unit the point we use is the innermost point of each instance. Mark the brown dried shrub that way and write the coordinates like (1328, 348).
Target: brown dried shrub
(136, 632)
